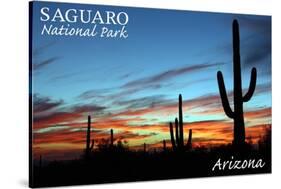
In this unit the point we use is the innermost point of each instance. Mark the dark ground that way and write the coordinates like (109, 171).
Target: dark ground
(122, 165)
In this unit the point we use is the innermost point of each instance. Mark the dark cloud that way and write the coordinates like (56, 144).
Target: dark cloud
(127, 135)
(37, 61)
(145, 102)
(157, 81)
(39, 50)
(257, 51)
(127, 75)
(212, 102)
(88, 108)
(63, 76)
(55, 117)
(127, 92)
(49, 112)
(110, 94)
(41, 104)
(258, 45)
(41, 64)
(153, 82)
(163, 76)
(261, 24)
(95, 93)
(256, 48)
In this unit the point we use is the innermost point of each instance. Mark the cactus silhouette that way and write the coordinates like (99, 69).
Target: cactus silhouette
(111, 137)
(172, 136)
(144, 147)
(177, 131)
(177, 138)
(181, 140)
(237, 114)
(88, 138)
(164, 145)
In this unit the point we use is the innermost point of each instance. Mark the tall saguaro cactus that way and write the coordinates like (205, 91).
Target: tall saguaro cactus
(111, 137)
(88, 138)
(181, 140)
(177, 138)
(237, 114)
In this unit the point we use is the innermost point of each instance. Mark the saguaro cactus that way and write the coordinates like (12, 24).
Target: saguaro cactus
(178, 143)
(164, 145)
(88, 138)
(172, 136)
(177, 131)
(181, 140)
(111, 137)
(237, 114)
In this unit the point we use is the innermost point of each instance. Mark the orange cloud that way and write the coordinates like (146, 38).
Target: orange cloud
(54, 119)
(62, 132)
(261, 113)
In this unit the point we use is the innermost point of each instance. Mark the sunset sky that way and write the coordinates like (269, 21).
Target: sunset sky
(132, 85)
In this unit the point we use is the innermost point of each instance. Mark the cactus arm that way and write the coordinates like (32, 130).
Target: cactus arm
(252, 86)
(172, 135)
(224, 99)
